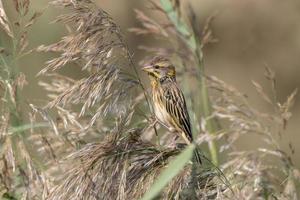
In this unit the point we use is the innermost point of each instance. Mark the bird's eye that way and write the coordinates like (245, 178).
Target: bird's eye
(156, 66)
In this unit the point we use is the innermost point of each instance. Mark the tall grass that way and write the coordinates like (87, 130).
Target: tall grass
(95, 138)
(19, 163)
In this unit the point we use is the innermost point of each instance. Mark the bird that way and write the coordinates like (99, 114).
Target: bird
(168, 101)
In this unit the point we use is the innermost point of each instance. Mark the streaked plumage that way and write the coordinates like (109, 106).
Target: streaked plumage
(168, 101)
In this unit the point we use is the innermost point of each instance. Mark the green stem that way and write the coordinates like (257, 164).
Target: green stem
(205, 106)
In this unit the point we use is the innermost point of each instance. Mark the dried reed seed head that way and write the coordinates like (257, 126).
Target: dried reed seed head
(4, 21)
(122, 167)
(96, 37)
(150, 26)
(22, 6)
(97, 46)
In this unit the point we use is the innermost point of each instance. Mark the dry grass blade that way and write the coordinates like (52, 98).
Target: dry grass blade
(284, 108)
(4, 21)
(22, 6)
(260, 90)
(150, 25)
(207, 34)
(244, 119)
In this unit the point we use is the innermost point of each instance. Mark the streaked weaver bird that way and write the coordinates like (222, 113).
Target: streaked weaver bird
(168, 101)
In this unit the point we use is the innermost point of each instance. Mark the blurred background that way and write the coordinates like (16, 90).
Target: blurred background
(251, 35)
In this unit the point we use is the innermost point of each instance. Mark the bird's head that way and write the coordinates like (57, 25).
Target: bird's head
(160, 68)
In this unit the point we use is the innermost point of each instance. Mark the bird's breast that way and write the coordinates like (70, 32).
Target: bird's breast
(160, 111)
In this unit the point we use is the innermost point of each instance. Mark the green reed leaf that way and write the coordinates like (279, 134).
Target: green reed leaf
(25, 127)
(180, 25)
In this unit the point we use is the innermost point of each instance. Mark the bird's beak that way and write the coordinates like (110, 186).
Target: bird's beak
(148, 69)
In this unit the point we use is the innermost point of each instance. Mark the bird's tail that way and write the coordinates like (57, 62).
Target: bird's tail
(197, 157)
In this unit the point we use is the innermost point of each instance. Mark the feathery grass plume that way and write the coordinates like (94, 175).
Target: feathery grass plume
(96, 45)
(19, 165)
(4, 20)
(255, 174)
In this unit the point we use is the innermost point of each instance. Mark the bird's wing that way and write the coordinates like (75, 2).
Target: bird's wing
(174, 102)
